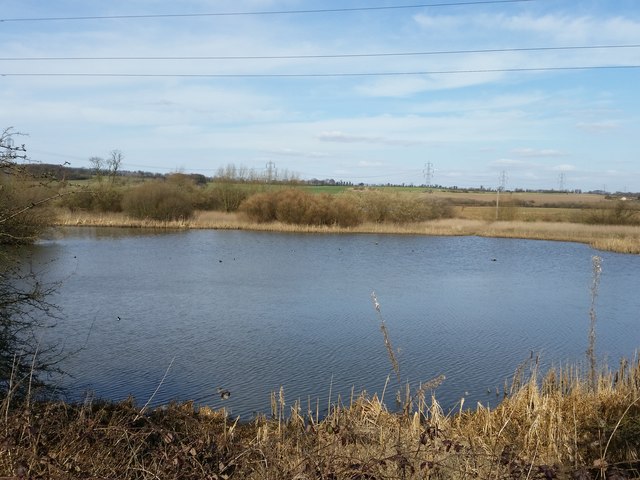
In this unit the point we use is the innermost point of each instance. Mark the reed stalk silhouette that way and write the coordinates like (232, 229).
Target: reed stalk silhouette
(408, 402)
(385, 335)
(596, 263)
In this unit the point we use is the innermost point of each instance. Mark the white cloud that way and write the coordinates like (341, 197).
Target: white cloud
(438, 22)
(598, 127)
(510, 163)
(394, 86)
(570, 28)
(341, 137)
(555, 27)
(564, 168)
(368, 163)
(404, 86)
(289, 152)
(532, 152)
(519, 100)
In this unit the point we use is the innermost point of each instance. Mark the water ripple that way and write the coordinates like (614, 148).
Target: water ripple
(251, 312)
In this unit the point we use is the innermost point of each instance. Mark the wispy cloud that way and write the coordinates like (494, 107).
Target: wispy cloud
(555, 27)
(564, 168)
(289, 152)
(537, 153)
(510, 163)
(341, 137)
(598, 127)
(368, 163)
(520, 100)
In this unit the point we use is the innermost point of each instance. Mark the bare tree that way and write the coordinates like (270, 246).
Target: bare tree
(113, 163)
(98, 167)
(24, 309)
(108, 167)
(22, 200)
(9, 152)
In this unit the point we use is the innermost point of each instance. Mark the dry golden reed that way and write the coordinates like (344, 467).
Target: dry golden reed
(618, 238)
(549, 426)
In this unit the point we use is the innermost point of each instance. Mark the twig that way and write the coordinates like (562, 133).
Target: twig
(33, 365)
(156, 391)
(604, 454)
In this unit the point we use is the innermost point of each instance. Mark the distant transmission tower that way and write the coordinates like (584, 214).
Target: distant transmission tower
(428, 173)
(271, 170)
(502, 179)
(561, 180)
(502, 182)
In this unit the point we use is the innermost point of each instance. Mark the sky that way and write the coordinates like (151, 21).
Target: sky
(337, 101)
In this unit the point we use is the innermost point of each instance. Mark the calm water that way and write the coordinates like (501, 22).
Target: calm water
(251, 312)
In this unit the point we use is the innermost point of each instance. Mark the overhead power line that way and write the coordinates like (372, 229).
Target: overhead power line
(272, 12)
(343, 55)
(315, 75)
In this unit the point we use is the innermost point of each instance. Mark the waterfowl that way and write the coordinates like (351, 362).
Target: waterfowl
(224, 393)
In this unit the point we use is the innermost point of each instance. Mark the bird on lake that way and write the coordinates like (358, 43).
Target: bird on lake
(224, 393)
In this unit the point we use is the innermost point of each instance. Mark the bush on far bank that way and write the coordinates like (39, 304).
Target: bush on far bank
(178, 196)
(298, 207)
(295, 206)
(380, 207)
(101, 198)
(22, 217)
(158, 200)
(621, 213)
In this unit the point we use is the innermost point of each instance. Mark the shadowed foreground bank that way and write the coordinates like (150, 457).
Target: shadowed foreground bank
(560, 425)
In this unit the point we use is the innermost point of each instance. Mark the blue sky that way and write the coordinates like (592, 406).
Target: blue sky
(535, 126)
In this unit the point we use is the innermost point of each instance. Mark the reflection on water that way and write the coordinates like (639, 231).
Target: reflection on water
(250, 312)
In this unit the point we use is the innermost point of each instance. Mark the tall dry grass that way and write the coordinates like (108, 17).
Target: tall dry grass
(556, 427)
(616, 238)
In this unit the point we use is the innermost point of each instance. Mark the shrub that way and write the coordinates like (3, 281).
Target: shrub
(107, 199)
(377, 206)
(102, 198)
(507, 211)
(226, 196)
(298, 207)
(157, 201)
(21, 218)
(320, 211)
(346, 210)
(78, 200)
(292, 206)
(622, 213)
(440, 209)
(260, 207)
(182, 180)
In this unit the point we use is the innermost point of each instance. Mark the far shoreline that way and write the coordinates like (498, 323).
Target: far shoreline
(613, 238)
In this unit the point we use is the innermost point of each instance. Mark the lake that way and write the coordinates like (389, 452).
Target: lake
(251, 312)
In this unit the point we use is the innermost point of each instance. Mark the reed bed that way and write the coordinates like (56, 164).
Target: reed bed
(616, 238)
(549, 426)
